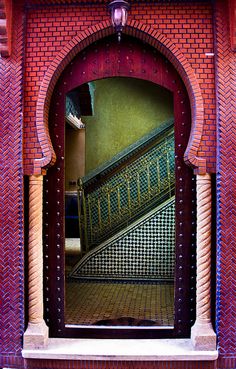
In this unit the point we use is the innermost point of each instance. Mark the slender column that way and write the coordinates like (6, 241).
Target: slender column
(202, 334)
(36, 334)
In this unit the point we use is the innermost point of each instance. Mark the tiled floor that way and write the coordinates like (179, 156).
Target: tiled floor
(119, 303)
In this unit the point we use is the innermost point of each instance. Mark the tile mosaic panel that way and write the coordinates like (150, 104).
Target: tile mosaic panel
(144, 250)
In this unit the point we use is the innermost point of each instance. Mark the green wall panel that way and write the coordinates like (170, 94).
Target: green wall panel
(125, 109)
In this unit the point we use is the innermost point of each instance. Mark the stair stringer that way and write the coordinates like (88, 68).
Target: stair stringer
(144, 250)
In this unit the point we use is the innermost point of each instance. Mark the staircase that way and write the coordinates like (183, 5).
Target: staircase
(138, 180)
(144, 251)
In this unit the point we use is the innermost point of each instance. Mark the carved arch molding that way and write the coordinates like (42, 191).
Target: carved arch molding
(151, 37)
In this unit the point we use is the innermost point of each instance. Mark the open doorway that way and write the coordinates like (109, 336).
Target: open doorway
(120, 214)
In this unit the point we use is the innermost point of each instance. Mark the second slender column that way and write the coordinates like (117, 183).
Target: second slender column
(202, 334)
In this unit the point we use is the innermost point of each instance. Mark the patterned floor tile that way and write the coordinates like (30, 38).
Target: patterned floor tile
(123, 303)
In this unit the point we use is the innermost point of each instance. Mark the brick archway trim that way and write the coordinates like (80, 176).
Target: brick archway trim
(140, 31)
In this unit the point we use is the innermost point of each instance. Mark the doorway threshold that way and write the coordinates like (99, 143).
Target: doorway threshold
(120, 350)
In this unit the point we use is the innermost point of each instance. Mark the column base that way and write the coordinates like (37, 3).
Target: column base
(36, 336)
(203, 337)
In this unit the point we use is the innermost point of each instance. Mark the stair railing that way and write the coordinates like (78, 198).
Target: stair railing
(128, 194)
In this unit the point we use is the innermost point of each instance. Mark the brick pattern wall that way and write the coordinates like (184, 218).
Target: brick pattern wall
(11, 198)
(109, 364)
(49, 29)
(226, 192)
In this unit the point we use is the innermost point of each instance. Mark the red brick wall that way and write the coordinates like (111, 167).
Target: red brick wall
(49, 29)
(11, 198)
(226, 189)
(109, 364)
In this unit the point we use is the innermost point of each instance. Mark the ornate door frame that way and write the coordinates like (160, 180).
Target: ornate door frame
(202, 330)
(104, 59)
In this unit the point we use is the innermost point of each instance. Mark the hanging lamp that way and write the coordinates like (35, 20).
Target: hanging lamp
(119, 14)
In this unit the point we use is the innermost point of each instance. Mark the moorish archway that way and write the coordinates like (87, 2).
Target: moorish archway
(197, 119)
(131, 59)
(146, 34)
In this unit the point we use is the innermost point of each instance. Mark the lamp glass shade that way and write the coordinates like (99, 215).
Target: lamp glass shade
(119, 13)
(119, 17)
